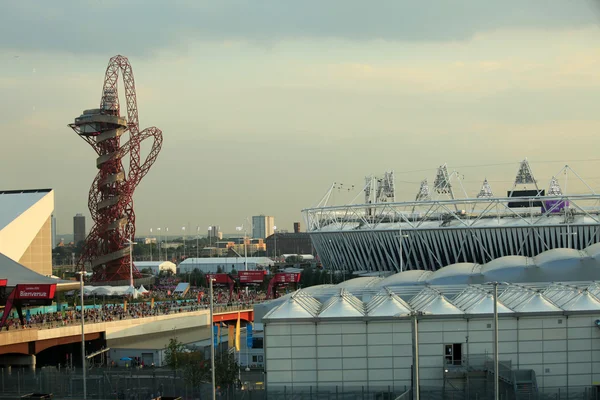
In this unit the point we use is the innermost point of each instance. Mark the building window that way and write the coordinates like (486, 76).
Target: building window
(260, 359)
(254, 359)
(453, 354)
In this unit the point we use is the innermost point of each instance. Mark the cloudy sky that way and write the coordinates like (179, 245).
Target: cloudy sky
(263, 104)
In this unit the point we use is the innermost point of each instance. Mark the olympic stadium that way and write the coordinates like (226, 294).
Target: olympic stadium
(374, 332)
(438, 228)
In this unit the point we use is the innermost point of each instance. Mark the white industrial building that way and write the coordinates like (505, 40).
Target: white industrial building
(365, 332)
(156, 266)
(225, 264)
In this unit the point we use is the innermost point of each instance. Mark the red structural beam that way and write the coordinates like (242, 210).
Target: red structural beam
(246, 315)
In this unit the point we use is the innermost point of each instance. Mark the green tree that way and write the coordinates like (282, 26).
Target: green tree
(174, 354)
(226, 370)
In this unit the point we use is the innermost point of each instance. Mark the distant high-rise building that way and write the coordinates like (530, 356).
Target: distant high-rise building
(296, 227)
(214, 232)
(262, 226)
(53, 230)
(78, 228)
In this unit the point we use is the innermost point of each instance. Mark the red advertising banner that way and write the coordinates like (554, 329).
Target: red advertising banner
(3, 282)
(287, 277)
(251, 276)
(33, 292)
(219, 278)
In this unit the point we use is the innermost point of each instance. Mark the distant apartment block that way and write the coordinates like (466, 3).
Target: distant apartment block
(214, 232)
(78, 228)
(262, 226)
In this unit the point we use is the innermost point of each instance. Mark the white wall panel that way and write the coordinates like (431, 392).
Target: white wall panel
(329, 328)
(354, 363)
(304, 364)
(580, 368)
(354, 375)
(303, 329)
(481, 336)
(277, 354)
(554, 357)
(381, 375)
(379, 338)
(431, 349)
(379, 327)
(279, 376)
(329, 340)
(354, 351)
(334, 376)
(530, 334)
(402, 327)
(278, 329)
(531, 358)
(531, 323)
(354, 339)
(580, 380)
(580, 333)
(379, 351)
(403, 362)
(329, 352)
(306, 377)
(279, 365)
(278, 341)
(380, 362)
(402, 338)
(533, 346)
(429, 337)
(403, 350)
(555, 334)
(580, 356)
(359, 327)
(303, 352)
(304, 341)
(329, 364)
(578, 344)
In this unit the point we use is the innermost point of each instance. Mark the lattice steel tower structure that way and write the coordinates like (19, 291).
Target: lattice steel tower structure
(110, 199)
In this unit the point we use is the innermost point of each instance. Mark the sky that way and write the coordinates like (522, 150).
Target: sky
(263, 104)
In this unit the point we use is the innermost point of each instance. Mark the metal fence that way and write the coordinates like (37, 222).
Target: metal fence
(133, 384)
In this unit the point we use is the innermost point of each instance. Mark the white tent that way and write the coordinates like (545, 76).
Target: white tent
(142, 289)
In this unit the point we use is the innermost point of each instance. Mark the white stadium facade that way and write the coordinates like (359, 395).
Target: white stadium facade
(437, 329)
(26, 228)
(438, 228)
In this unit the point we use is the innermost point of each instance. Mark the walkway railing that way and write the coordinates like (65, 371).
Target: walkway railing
(118, 317)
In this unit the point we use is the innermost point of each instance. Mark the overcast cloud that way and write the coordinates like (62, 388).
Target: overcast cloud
(264, 103)
(145, 26)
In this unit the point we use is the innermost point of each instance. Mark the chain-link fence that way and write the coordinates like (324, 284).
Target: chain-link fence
(146, 384)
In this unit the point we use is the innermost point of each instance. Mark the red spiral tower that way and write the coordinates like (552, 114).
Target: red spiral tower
(110, 199)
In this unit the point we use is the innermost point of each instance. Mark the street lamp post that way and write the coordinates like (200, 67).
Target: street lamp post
(496, 381)
(159, 243)
(275, 240)
(240, 228)
(197, 238)
(183, 237)
(212, 342)
(166, 244)
(81, 274)
(150, 244)
(131, 243)
(210, 240)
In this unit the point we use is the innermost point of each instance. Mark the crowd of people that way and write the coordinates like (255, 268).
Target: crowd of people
(161, 300)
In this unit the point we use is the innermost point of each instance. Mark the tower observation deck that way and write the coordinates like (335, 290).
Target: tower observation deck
(110, 199)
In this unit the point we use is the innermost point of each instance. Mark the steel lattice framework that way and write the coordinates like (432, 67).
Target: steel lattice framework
(110, 198)
(431, 233)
